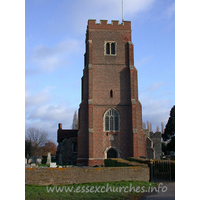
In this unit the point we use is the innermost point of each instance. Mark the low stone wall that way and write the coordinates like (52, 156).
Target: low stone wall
(71, 175)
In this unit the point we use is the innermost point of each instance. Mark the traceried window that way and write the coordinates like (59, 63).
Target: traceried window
(111, 120)
(110, 48)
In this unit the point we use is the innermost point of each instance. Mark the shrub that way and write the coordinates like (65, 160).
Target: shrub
(117, 162)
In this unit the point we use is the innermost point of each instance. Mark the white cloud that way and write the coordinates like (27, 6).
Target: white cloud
(143, 61)
(155, 86)
(113, 8)
(132, 7)
(169, 11)
(48, 116)
(51, 112)
(155, 110)
(49, 58)
(39, 98)
(43, 112)
(106, 9)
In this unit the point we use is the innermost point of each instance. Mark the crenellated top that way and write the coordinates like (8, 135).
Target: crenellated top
(125, 25)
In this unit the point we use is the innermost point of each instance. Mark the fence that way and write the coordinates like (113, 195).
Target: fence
(159, 170)
(162, 171)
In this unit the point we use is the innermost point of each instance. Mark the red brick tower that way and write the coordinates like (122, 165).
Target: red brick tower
(110, 114)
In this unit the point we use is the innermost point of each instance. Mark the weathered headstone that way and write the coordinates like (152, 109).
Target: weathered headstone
(33, 165)
(25, 161)
(38, 159)
(48, 158)
(53, 164)
(31, 160)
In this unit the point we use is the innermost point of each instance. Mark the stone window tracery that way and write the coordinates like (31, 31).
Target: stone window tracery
(111, 120)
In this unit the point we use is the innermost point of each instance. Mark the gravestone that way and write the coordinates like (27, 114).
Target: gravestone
(38, 159)
(33, 165)
(53, 164)
(25, 161)
(48, 158)
(31, 160)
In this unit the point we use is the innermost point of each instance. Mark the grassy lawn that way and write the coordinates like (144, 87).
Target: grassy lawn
(122, 190)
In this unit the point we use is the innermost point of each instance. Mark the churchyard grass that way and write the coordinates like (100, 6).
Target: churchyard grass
(33, 192)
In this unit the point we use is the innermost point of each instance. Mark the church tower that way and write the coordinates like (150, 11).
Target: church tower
(110, 114)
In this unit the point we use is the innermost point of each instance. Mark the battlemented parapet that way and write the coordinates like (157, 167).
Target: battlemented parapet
(125, 25)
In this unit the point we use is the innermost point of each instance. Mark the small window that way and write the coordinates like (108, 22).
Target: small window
(111, 94)
(107, 48)
(110, 48)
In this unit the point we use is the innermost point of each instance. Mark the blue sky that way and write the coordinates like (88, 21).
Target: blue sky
(55, 45)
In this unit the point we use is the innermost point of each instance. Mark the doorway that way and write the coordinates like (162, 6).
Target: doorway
(111, 153)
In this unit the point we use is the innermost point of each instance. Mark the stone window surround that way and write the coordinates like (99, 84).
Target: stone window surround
(110, 42)
(104, 125)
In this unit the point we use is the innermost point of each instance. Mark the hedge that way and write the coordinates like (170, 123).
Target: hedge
(118, 162)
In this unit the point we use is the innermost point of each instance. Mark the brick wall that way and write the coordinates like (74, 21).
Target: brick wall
(65, 176)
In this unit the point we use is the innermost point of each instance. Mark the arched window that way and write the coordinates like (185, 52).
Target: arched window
(111, 120)
(112, 48)
(107, 48)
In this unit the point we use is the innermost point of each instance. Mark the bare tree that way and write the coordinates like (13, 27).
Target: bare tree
(75, 121)
(28, 148)
(37, 138)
